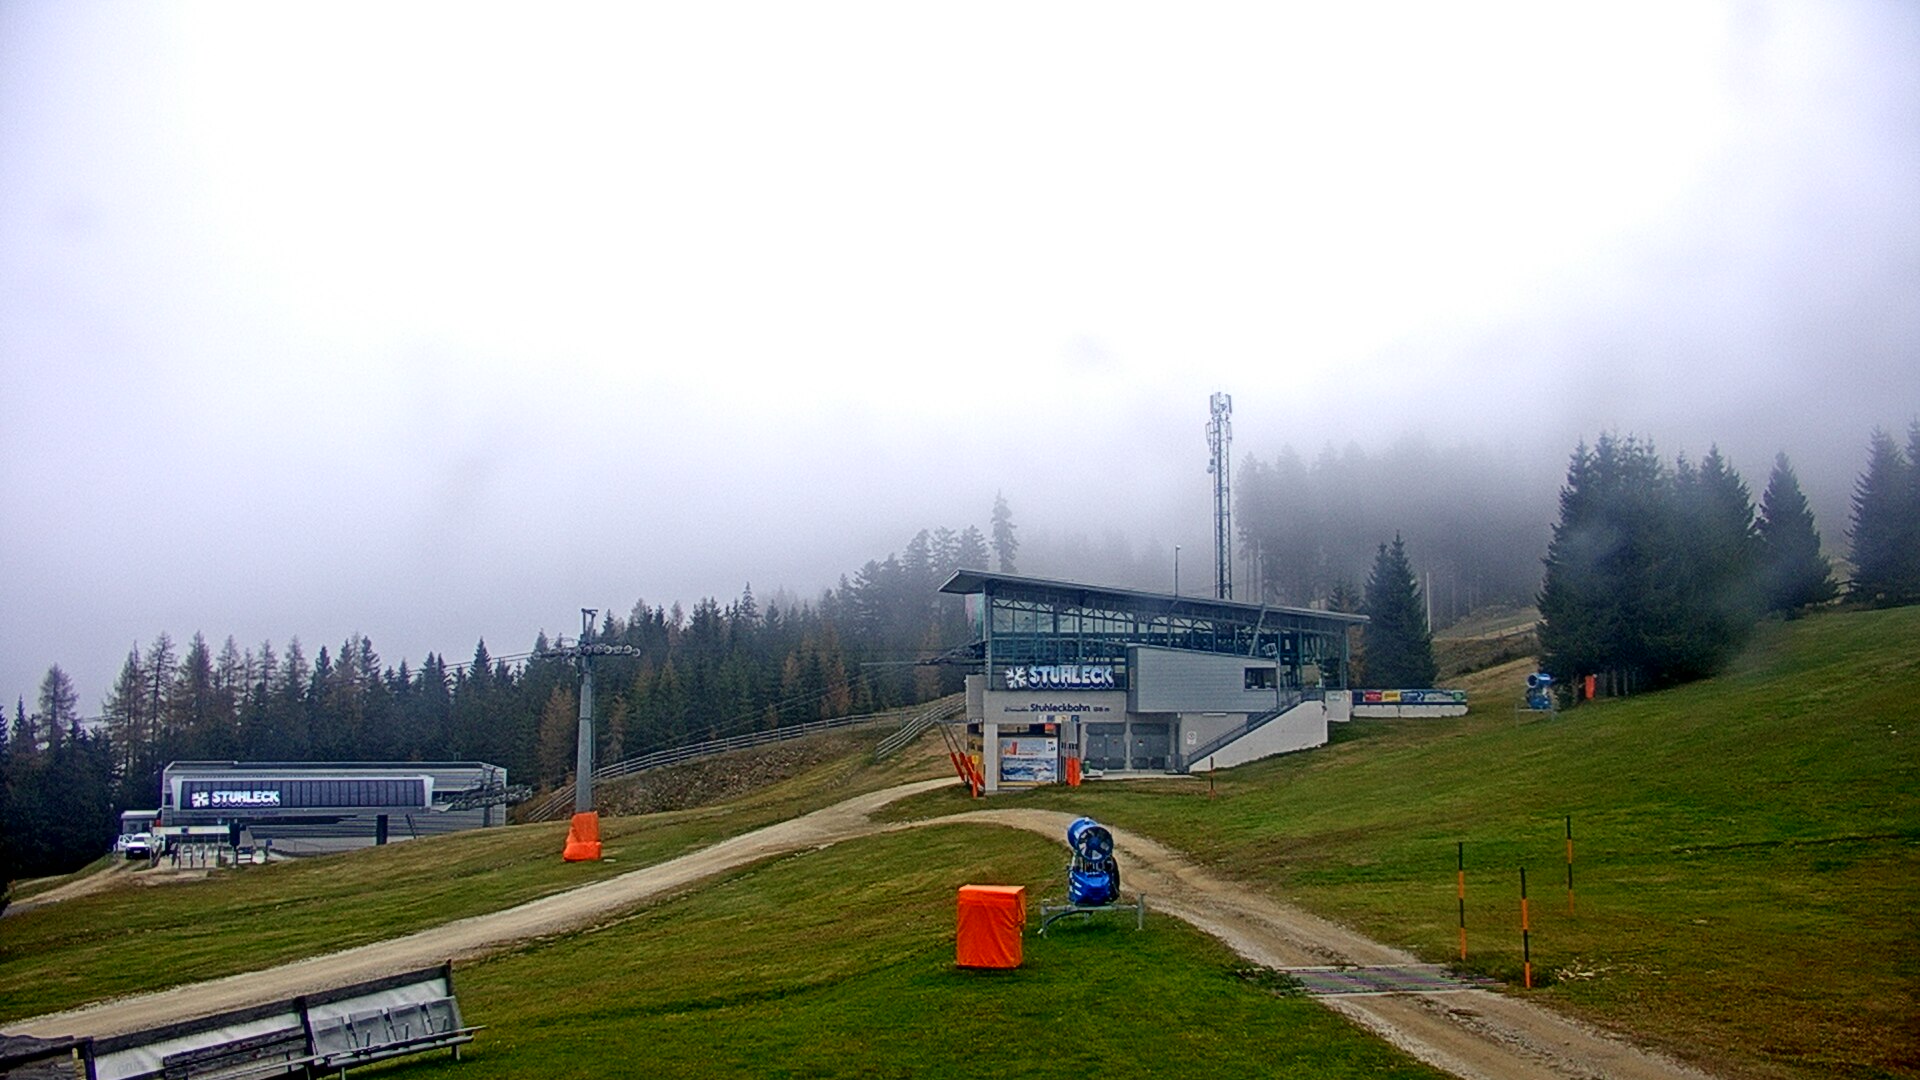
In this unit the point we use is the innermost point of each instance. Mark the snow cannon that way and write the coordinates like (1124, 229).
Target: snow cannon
(1093, 878)
(1539, 691)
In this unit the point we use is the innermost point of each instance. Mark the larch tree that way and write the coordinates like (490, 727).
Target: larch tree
(59, 706)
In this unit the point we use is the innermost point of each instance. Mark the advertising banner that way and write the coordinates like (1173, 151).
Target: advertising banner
(1409, 697)
(1029, 759)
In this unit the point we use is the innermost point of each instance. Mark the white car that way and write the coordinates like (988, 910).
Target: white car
(139, 846)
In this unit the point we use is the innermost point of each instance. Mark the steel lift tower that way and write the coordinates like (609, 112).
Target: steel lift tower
(1220, 441)
(583, 839)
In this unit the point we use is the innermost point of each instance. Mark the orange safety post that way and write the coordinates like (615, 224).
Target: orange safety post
(992, 926)
(583, 838)
(1589, 687)
(1462, 854)
(1526, 937)
(1569, 864)
(1073, 772)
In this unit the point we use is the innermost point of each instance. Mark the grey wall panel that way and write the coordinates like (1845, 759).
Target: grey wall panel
(1178, 681)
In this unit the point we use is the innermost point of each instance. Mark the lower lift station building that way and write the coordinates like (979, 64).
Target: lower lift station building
(310, 808)
(1143, 682)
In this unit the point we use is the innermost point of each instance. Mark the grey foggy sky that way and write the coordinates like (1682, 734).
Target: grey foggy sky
(437, 322)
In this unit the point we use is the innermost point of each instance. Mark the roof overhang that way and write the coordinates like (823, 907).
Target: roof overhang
(966, 582)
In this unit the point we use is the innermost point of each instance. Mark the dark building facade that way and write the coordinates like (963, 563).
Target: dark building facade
(316, 807)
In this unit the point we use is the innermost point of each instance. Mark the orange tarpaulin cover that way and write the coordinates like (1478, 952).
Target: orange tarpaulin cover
(993, 924)
(583, 838)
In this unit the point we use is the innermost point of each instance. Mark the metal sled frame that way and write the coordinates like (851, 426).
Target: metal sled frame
(1051, 913)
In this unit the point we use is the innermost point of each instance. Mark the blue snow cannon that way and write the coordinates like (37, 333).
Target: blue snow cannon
(1093, 878)
(1540, 691)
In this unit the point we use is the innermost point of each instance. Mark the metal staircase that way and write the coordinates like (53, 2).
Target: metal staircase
(1289, 701)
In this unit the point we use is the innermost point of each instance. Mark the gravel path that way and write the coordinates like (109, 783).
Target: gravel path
(1470, 1033)
(92, 883)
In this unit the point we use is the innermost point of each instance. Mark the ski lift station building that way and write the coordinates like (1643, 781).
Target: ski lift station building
(310, 808)
(1131, 681)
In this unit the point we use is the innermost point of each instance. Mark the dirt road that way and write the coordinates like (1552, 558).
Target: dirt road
(1469, 1032)
(92, 883)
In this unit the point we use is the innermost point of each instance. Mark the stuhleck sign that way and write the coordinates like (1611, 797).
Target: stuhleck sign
(1060, 677)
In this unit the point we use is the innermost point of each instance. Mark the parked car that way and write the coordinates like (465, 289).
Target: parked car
(139, 846)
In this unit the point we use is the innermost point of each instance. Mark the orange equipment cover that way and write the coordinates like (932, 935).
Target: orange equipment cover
(583, 838)
(993, 924)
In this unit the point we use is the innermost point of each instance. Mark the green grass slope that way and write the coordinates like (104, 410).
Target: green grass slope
(157, 929)
(840, 963)
(1747, 874)
(1747, 849)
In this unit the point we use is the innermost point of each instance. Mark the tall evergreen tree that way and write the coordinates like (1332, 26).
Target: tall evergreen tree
(1649, 575)
(1706, 594)
(973, 549)
(25, 740)
(1886, 527)
(1794, 575)
(1005, 544)
(1599, 560)
(1909, 561)
(1396, 639)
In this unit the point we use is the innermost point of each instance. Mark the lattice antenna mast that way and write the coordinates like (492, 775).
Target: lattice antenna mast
(1220, 441)
(583, 753)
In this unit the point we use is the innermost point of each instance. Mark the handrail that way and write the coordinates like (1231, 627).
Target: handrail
(941, 709)
(1292, 700)
(554, 805)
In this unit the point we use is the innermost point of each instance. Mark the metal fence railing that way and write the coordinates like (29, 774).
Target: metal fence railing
(943, 709)
(1288, 701)
(557, 803)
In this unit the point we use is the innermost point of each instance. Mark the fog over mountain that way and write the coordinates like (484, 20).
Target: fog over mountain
(440, 322)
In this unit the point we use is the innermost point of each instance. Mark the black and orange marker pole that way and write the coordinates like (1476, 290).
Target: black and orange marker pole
(1462, 883)
(1569, 864)
(1526, 936)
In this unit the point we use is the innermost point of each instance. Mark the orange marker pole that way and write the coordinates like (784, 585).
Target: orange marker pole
(1526, 942)
(1569, 864)
(1462, 854)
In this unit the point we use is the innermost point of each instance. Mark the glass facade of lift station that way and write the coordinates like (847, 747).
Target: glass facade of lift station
(1127, 680)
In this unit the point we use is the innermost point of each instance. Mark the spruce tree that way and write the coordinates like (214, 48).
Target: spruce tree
(1005, 544)
(1601, 561)
(1909, 558)
(1886, 527)
(1794, 574)
(1649, 575)
(973, 549)
(1706, 595)
(1397, 642)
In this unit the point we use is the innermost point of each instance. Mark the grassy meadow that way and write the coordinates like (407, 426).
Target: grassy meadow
(1747, 883)
(840, 963)
(1746, 849)
(144, 935)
